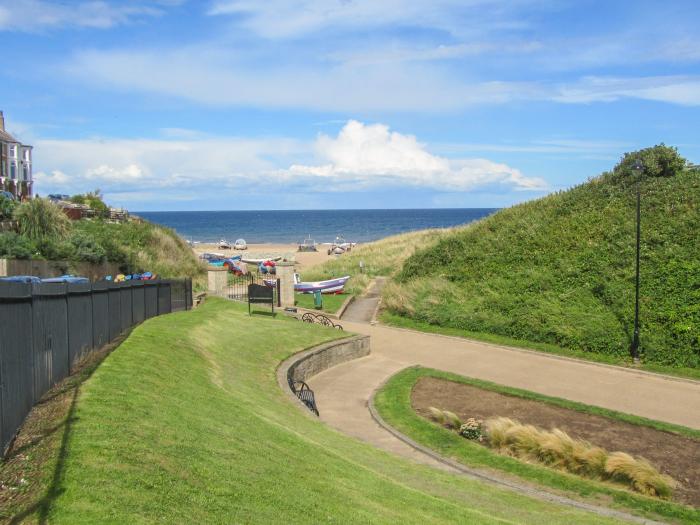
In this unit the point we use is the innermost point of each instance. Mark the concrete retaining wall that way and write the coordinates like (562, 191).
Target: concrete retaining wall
(302, 366)
(316, 360)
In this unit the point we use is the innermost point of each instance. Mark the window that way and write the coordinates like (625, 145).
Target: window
(26, 155)
(13, 170)
(25, 172)
(13, 151)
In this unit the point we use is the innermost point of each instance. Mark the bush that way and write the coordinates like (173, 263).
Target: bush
(7, 207)
(86, 248)
(13, 246)
(40, 219)
(657, 161)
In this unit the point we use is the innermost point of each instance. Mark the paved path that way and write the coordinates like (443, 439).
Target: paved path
(361, 310)
(342, 392)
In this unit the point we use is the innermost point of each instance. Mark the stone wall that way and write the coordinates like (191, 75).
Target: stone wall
(304, 365)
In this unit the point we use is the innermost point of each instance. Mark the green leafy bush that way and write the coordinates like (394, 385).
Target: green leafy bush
(7, 207)
(86, 248)
(13, 246)
(657, 161)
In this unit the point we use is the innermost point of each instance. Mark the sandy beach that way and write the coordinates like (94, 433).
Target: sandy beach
(303, 260)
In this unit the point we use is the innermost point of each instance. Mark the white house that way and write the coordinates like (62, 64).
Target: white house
(15, 164)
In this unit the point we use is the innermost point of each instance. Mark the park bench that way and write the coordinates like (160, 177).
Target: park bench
(304, 393)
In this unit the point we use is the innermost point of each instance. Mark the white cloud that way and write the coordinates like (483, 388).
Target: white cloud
(360, 157)
(371, 155)
(205, 75)
(684, 90)
(33, 15)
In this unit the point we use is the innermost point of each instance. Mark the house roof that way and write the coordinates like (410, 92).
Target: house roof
(6, 137)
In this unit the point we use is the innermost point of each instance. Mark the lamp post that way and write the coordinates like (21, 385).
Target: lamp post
(638, 167)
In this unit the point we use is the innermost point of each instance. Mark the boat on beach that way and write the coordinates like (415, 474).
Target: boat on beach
(224, 245)
(309, 245)
(330, 286)
(261, 260)
(240, 244)
(340, 246)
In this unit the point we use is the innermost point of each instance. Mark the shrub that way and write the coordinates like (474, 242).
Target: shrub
(7, 207)
(40, 219)
(86, 248)
(471, 430)
(13, 246)
(657, 161)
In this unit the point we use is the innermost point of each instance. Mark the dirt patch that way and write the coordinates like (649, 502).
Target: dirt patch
(677, 456)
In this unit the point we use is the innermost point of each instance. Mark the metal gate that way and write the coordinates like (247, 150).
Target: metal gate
(237, 286)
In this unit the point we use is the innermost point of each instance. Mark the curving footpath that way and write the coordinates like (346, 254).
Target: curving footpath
(343, 392)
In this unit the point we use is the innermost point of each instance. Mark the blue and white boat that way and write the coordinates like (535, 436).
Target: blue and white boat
(330, 286)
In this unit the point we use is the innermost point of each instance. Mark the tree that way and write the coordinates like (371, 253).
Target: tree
(40, 219)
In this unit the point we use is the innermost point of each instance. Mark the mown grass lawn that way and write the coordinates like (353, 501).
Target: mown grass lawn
(393, 402)
(331, 302)
(185, 423)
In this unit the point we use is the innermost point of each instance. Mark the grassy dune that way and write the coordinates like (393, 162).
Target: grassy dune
(560, 271)
(144, 246)
(380, 258)
(185, 423)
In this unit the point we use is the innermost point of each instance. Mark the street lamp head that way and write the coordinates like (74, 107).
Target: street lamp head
(638, 166)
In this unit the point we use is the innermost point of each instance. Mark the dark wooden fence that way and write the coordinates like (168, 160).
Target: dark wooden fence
(46, 328)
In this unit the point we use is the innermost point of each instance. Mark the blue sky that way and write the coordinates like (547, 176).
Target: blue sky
(241, 104)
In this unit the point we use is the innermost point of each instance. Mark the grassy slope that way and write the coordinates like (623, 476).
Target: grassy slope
(185, 423)
(144, 246)
(560, 270)
(381, 258)
(393, 402)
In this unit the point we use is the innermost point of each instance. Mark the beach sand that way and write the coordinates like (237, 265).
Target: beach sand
(303, 260)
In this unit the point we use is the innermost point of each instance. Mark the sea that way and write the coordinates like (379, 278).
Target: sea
(293, 226)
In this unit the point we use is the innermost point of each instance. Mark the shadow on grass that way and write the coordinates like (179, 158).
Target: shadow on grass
(70, 386)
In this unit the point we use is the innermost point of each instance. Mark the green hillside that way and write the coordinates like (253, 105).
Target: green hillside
(560, 269)
(185, 423)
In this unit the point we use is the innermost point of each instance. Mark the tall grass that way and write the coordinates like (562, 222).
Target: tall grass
(559, 450)
(380, 258)
(40, 220)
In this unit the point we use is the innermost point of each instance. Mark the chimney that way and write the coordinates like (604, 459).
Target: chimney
(2, 122)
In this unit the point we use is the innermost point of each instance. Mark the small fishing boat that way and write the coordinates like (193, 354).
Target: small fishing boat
(340, 246)
(330, 286)
(240, 244)
(261, 260)
(212, 256)
(309, 245)
(224, 245)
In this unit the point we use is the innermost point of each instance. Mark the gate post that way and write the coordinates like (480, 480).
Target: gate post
(216, 280)
(285, 276)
